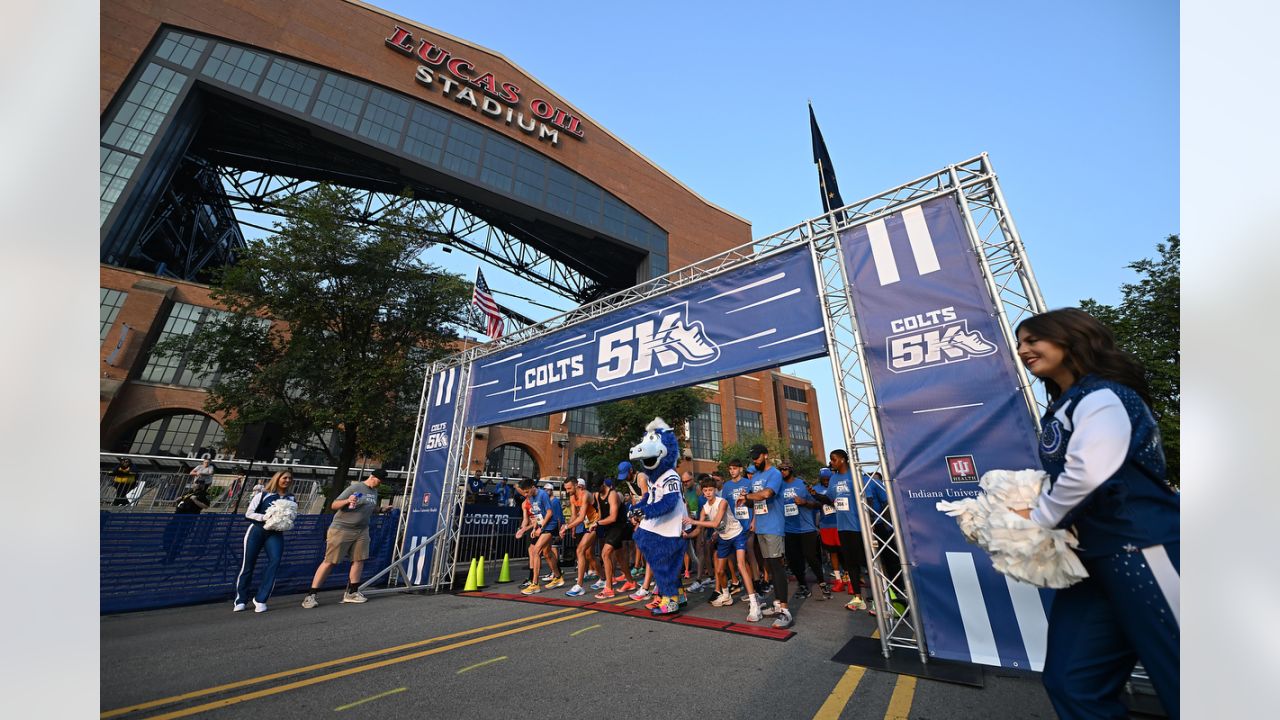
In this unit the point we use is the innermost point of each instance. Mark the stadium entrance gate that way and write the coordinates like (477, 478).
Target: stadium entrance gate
(912, 293)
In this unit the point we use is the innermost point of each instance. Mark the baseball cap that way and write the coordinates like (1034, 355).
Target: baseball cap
(380, 474)
(624, 469)
(582, 482)
(785, 466)
(547, 486)
(757, 450)
(825, 473)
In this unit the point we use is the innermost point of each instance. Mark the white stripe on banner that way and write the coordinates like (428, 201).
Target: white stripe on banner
(1032, 621)
(973, 609)
(921, 240)
(448, 393)
(788, 293)
(1166, 577)
(882, 253)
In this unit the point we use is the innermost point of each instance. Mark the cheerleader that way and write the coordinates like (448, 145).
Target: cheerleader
(257, 537)
(1100, 446)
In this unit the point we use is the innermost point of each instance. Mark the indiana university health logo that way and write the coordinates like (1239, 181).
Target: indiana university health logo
(931, 343)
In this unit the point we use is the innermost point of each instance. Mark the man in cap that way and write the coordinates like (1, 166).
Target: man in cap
(769, 519)
(348, 536)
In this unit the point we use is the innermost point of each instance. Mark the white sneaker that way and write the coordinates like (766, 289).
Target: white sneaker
(724, 599)
(355, 597)
(772, 610)
(238, 608)
(754, 615)
(310, 601)
(783, 620)
(695, 586)
(259, 607)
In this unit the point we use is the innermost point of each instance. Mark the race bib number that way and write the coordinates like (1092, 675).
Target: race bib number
(762, 508)
(790, 510)
(842, 503)
(828, 510)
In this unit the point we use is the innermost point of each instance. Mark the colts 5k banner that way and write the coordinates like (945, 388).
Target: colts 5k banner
(433, 455)
(760, 316)
(950, 409)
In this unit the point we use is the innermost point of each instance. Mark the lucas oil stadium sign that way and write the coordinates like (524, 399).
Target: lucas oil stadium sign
(459, 79)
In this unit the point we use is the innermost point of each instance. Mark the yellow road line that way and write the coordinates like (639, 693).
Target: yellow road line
(900, 703)
(840, 694)
(340, 708)
(318, 666)
(579, 632)
(481, 664)
(267, 692)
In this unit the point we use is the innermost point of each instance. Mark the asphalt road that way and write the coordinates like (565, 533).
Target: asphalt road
(405, 655)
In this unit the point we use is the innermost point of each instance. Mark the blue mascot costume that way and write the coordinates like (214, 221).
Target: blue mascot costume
(663, 512)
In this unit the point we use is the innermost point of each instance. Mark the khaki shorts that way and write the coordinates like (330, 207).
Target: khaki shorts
(342, 543)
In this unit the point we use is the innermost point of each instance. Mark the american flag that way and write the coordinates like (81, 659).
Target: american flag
(481, 298)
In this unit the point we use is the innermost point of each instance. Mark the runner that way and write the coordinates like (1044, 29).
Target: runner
(848, 526)
(827, 532)
(546, 524)
(801, 540)
(613, 526)
(585, 516)
(731, 539)
(735, 487)
(766, 493)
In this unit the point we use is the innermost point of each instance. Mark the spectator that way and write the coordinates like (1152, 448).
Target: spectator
(124, 479)
(196, 500)
(205, 469)
(348, 537)
(179, 529)
(257, 538)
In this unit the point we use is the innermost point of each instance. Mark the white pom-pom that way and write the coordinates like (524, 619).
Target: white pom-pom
(1019, 547)
(280, 515)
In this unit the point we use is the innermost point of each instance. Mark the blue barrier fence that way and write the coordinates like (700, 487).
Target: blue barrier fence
(151, 560)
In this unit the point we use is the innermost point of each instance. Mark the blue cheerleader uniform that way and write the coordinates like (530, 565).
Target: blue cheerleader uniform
(1100, 446)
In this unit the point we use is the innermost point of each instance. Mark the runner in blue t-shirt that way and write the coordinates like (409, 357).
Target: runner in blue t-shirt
(802, 533)
(766, 493)
(828, 535)
(545, 525)
(733, 487)
(848, 526)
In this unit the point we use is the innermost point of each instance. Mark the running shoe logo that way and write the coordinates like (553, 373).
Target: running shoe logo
(937, 345)
(664, 342)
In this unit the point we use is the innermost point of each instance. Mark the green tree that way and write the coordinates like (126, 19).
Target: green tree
(623, 422)
(360, 318)
(1146, 323)
(803, 464)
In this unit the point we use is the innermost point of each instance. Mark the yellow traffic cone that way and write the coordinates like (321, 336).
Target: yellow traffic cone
(504, 575)
(480, 573)
(471, 578)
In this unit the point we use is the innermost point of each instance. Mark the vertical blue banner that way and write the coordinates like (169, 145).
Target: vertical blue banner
(950, 408)
(423, 505)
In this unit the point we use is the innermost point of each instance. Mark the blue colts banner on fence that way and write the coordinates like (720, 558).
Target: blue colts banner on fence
(433, 456)
(950, 409)
(761, 316)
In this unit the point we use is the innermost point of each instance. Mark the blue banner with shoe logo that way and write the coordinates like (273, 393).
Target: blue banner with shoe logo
(760, 316)
(950, 405)
(423, 505)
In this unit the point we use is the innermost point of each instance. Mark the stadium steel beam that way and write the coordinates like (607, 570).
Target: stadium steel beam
(266, 193)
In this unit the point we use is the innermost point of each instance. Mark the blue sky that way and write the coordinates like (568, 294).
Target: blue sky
(1076, 104)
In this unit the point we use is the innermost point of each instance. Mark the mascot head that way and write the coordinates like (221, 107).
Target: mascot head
(658, 450)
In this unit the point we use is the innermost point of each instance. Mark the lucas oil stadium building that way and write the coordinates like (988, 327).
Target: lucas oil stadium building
(216, 110)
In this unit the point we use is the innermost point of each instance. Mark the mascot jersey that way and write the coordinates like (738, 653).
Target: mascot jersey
(671, 524)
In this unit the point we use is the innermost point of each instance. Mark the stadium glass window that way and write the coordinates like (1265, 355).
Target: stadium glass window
(537, 422)
(180, 434)
(560, 184)
(584, 421)
(794, 393)
(181, 49)
(511, 460)
(750, 423)
(498, 166)
(235, 66)
(587, 202)
(706, 437)
(109, 305)
(340, 101)
(140, 115)
(289, 84)
(462, 154)
(385, 117)
(175, 369)
(798, 431)
(531, 176)
(425, 137)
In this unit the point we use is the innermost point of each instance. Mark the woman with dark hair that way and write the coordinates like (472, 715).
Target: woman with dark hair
(1100, 445)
